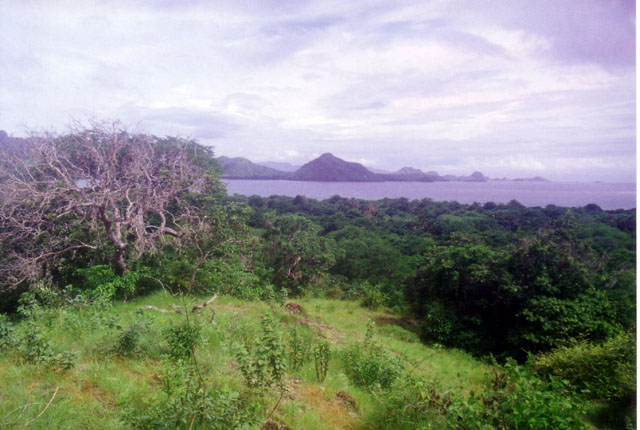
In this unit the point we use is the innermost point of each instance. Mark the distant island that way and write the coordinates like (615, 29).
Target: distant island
(329, 168)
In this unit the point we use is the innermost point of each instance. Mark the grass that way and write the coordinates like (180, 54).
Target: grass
(102, 386)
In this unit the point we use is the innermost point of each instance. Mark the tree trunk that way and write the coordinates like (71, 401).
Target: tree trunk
(119, 262)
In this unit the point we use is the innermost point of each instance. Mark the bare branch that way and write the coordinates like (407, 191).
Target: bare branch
(120, 189)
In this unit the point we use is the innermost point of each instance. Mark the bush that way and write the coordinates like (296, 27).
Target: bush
(441, 325)
(263, 364)
(182, 340)
(605, 371)
(102, 282)
(186, 402)
(411, 404)
(299, 348)
(7, 339)
(321, 356)
(512, 399)
(516, 399)
(369, 365)
(36, 349)
(127, 342)
(373, 298)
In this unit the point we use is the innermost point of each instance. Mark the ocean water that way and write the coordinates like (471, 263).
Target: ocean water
(608, 196)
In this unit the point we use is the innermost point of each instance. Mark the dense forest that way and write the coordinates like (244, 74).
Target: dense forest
(100, 218)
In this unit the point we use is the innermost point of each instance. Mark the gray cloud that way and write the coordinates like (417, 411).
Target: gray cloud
(541, 87)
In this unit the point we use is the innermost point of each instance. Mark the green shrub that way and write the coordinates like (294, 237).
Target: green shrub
(605, 371)
(264, 363)
(369, 365)
(513, 399)
(299, 348)
(35, 346)
(373, 297)
(516, 399)
(187, 402)
(101, 282)
(127, 342)
(182, 340)
(411, 404)
(7, 337)
(36, 349)
(321, 356)
(442, 325)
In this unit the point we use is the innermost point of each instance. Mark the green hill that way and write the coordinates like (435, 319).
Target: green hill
(329, 168)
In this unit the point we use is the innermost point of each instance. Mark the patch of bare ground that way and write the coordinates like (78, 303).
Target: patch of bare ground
(92, 391)
(339, 412)
(294, 308)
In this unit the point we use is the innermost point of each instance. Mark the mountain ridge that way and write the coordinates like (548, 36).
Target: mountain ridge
(329, 168)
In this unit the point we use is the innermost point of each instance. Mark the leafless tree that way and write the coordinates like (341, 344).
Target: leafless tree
(97, 187)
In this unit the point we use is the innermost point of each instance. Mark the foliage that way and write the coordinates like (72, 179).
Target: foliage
(101, 282)
(36, 349)
(373, 297)
(513, 398)
(605, 371)
(300, 344)
(182, 339)
(321, 356)
(128, 340)
(296, 252)
(264, 362)
(187, 404)
(7, 333)
(369, 365)
(535, 296)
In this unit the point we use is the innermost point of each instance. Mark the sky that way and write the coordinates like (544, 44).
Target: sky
(514, 88)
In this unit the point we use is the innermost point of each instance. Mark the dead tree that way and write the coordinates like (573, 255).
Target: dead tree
(97, 187)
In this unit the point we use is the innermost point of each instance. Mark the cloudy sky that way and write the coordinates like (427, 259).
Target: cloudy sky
(510, 88)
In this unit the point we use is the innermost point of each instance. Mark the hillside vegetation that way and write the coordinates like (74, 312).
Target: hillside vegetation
(136, 294)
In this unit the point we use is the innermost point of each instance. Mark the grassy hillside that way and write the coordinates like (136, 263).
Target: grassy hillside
(120, 360)
(130, 365)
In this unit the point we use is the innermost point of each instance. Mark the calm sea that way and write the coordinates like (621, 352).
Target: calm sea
(607, 196)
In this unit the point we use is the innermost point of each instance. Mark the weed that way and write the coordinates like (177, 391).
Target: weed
(187, 403)
(36, 349)
(299, 348)
(35, 346)
(127, 342)
(321, 355)
(7, 338)
(265, 364)
(368, 336)
(182, 339)
(512, 399)
(369, 365)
